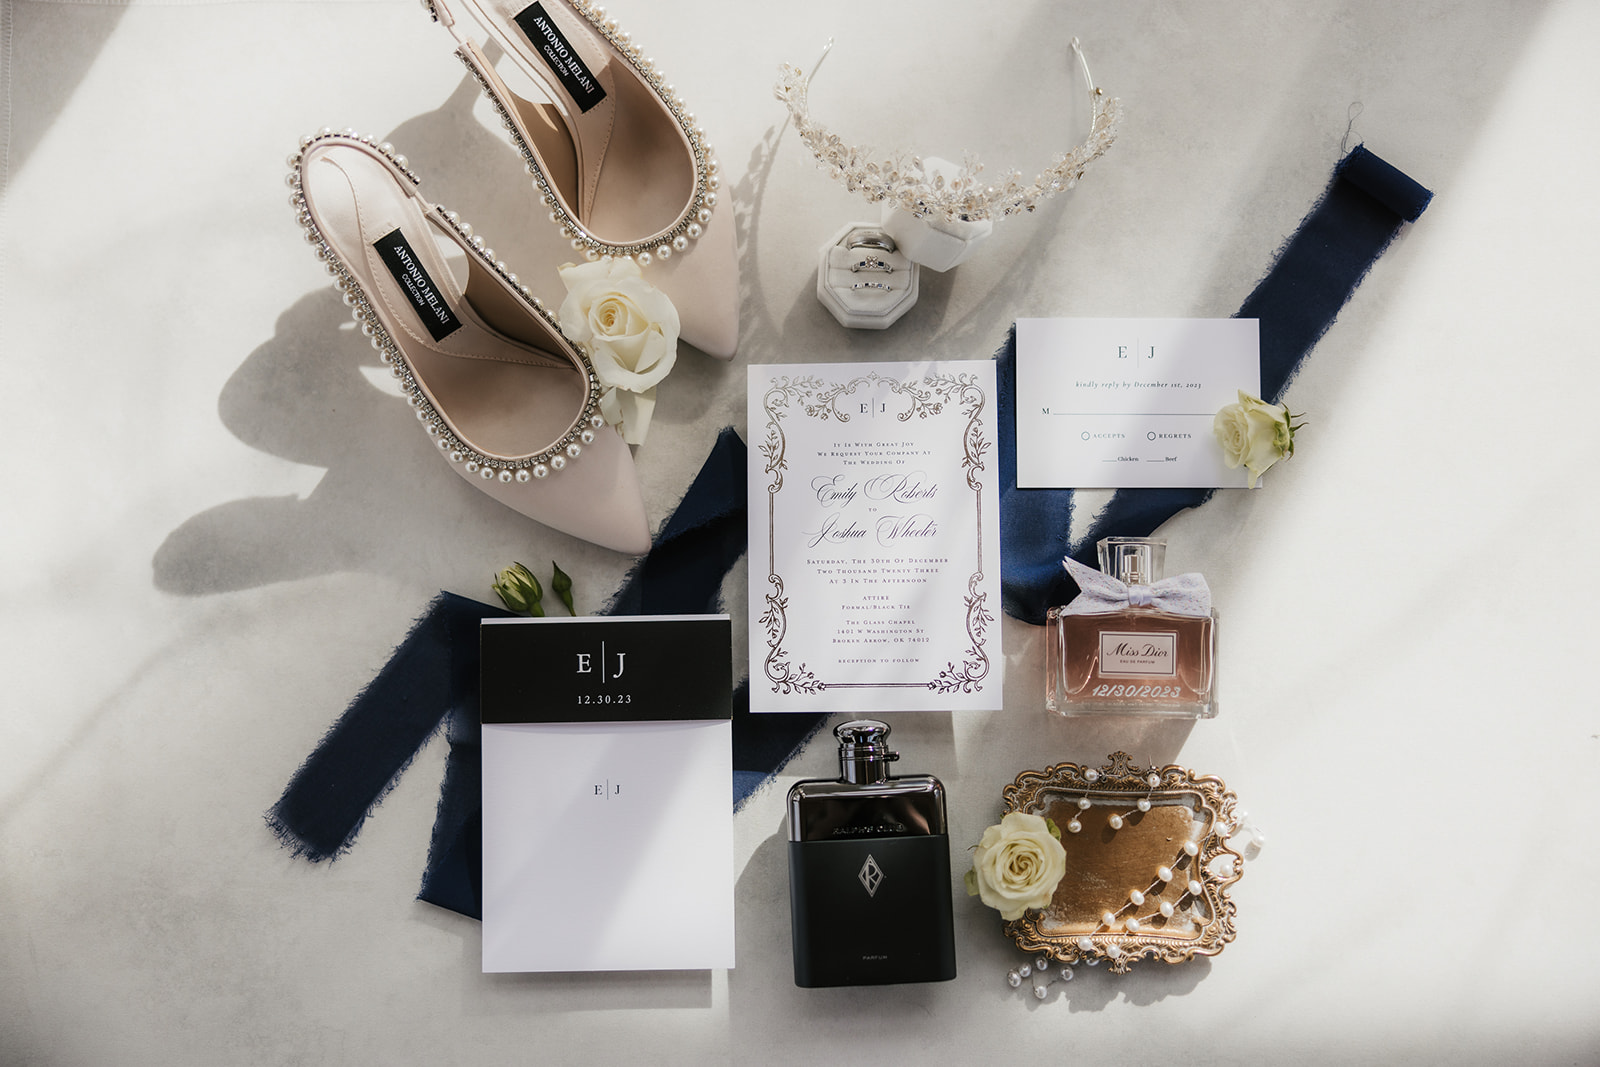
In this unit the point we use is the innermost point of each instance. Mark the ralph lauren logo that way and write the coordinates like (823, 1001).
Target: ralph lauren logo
(870, 876)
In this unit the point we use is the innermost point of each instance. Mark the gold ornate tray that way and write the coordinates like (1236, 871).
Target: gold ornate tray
(1148, 863)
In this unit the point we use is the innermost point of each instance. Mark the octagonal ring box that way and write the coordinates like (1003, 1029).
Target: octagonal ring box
(864, 280)
(934, 243)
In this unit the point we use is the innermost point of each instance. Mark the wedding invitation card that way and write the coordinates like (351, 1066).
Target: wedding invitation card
(874, 537)
(607, 793)
(1128, 403)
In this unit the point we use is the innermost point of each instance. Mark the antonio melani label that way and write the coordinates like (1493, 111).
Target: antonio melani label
(1146, 655)
(558, 53)
(425, 297)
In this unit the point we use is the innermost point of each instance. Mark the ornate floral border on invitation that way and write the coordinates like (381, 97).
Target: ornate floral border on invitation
(935, 396)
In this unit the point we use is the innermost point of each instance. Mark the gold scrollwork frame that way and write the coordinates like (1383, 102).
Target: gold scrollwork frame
(1105, 863)
(819, 400)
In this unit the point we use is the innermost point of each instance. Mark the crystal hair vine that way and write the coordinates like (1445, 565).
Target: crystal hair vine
(904, 181)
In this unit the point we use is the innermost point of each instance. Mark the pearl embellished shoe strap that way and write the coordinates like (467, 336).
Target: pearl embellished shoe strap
(377, 215)
(469, 398)
(588, 132)
(479, 412)
(647, 180)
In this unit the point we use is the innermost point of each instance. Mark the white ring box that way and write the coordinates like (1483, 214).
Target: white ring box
(865, 287)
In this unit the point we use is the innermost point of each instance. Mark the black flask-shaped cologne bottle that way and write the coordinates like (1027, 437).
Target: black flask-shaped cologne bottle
(869, 871)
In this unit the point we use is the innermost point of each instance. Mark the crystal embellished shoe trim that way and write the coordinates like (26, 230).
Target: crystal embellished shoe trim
(902, 180)
(690, 224)
(555, 456)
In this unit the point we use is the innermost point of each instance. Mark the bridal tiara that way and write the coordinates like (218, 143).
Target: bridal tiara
(906, 183)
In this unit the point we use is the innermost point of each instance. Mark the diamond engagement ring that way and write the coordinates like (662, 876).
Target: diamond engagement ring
(871, 263)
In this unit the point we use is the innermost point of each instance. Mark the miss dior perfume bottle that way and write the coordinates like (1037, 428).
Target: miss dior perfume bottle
(869, 871)
(1132, 641)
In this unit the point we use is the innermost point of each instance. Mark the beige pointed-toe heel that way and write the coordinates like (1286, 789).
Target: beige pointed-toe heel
(511, 403)
(619, 161)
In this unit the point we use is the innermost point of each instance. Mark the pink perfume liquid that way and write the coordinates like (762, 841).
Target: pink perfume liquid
(1132, 660)
(1137, 660)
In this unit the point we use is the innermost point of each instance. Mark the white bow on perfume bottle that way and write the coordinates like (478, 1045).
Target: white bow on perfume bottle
(1182, 594)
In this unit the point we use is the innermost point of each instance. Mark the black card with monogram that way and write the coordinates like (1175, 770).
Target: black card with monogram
(606, 669)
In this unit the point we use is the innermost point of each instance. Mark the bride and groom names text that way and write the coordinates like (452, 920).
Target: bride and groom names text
(855, 508)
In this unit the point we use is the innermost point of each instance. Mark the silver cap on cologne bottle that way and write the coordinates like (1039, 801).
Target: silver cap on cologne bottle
(864, 755)
(1135, 560)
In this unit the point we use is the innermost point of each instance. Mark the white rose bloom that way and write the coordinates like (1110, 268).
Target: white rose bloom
(1017, 865)
(1254, 433)
(630, 330)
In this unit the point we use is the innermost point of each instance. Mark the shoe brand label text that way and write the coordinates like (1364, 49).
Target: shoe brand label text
(558, 53)
(429, 303)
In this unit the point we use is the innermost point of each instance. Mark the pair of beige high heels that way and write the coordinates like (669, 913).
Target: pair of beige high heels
(512, 402)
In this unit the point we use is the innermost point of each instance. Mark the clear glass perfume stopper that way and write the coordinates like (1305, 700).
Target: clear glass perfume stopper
(864, 755)
(1134, 560)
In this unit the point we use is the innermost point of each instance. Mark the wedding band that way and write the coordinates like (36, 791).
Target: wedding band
(871, 239)
(885, 286)
(871, 263)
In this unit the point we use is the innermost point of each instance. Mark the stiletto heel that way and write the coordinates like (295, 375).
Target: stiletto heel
(509, 401)
(620, 163)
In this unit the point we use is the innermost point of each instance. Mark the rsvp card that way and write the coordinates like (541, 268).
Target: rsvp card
(874, 537)
(1129, 403)
(607, 786)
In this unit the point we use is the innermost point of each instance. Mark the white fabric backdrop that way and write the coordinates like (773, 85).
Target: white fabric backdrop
(219, 522)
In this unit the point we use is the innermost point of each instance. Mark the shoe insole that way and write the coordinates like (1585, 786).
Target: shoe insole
(497, 376)
(624, 167)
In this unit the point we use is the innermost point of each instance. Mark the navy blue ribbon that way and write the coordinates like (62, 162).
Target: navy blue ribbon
(430, 675)
(1362, 210)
